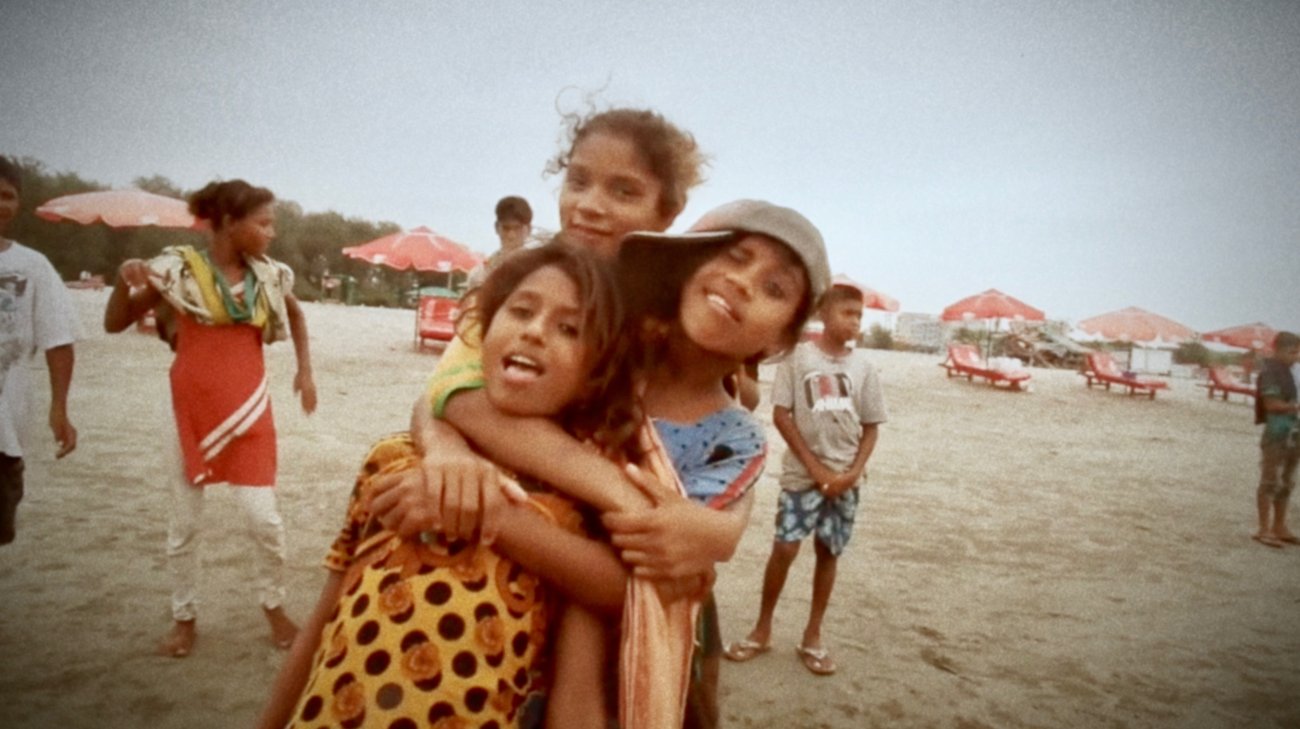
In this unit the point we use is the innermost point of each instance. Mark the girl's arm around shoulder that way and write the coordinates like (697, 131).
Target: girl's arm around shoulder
(542, 449)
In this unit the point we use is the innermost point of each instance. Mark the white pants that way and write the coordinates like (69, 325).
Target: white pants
(262, 523)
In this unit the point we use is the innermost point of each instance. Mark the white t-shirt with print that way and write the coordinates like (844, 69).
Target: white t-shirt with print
(830, 398)
(35, 315)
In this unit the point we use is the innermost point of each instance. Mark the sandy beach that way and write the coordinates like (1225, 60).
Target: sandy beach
(1062, 557)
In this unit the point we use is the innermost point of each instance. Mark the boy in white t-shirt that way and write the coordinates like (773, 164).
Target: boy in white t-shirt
(35, 314)
(827, 404)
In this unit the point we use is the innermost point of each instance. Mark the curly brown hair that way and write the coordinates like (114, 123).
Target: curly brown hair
(670, 153)
(607, 411)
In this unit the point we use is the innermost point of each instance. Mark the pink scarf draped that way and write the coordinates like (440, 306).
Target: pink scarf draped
(658, 638)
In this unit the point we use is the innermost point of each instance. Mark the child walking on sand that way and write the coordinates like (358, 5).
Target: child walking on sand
(1276, 409)
(828, 406)
(229, 300)
(422, 629)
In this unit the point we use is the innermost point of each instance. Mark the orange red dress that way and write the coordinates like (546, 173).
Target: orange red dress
(222, 405)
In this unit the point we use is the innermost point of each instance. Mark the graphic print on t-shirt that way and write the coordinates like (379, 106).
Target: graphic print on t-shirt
(827, 393)
(13, 285)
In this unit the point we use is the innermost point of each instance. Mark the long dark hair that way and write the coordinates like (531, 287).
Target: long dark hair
(607, 411)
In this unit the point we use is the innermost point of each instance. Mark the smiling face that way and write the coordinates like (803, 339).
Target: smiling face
(253, 233)
(535, 357)
(609, 191)
(742, 301)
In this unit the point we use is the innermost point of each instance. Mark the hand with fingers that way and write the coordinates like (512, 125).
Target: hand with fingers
(660, 543)
(65, 434)
(458, 494)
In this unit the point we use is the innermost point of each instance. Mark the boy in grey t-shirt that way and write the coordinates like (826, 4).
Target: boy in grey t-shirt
(827, 404)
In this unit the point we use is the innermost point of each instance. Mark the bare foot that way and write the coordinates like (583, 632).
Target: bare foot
(1267, 539)
(179, 641)
(283, 630)
(1285, 535)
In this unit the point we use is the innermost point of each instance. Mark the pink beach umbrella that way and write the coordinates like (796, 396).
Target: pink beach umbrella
(1137, 326)
(871, 298)
(991, 304)
(1258, 336)
(420, 249)
(119, 209)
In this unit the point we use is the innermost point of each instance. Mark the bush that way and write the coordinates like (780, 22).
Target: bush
(1195, 353)
(879, 338)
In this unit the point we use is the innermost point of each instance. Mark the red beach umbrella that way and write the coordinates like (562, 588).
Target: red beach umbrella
(871, 298)
(1137, 326)
(1258, 336)
(119, 209)
(420, 249)
(991, 304)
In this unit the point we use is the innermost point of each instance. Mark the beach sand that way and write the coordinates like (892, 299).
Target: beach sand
(1056, 558)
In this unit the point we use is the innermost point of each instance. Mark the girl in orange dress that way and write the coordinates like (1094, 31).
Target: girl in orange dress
(229, 300)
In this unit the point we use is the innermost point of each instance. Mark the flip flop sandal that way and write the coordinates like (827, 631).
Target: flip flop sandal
(744, 650)
(817, 660)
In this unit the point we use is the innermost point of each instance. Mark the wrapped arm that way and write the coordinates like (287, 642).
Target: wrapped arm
(540, 448)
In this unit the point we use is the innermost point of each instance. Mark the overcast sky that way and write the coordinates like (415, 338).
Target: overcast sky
(1082, 156)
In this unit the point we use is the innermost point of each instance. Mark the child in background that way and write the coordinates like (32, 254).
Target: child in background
(35, 315)
(423, 629)
(514, 223)
(827, 404)
(1276, 409)
(229, 300)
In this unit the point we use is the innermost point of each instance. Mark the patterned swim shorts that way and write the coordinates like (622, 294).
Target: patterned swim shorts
(801, 513)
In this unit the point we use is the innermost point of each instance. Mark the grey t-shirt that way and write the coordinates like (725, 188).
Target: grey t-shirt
(830, 398)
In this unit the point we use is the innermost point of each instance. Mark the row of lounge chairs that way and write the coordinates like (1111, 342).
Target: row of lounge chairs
(1099, 370)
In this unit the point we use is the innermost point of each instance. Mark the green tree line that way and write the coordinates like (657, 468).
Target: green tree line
(310, 243)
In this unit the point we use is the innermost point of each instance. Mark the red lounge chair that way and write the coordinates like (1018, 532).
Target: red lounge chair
(1103, 371)
(1221, 381)
(435, 317)
(964, 360)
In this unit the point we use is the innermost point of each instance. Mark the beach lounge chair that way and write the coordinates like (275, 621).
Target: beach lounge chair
(964, 360)
(1222, 382)
(435, 316)
(1102, 370)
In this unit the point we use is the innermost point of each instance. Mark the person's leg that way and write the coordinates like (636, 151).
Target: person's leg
(575, 698)
(11, 492)
(266, 528)
(795, 517)
(1270, 466)
(774, 577)
(823, 583)
(183, 564)
(1283, 497)
(833, 531)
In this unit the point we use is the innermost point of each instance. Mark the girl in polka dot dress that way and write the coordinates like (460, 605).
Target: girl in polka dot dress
(430, 632)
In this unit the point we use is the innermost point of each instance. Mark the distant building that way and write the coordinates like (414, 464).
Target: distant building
(919, 331)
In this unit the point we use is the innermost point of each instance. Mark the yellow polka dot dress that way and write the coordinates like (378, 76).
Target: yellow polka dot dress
(426, 633)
